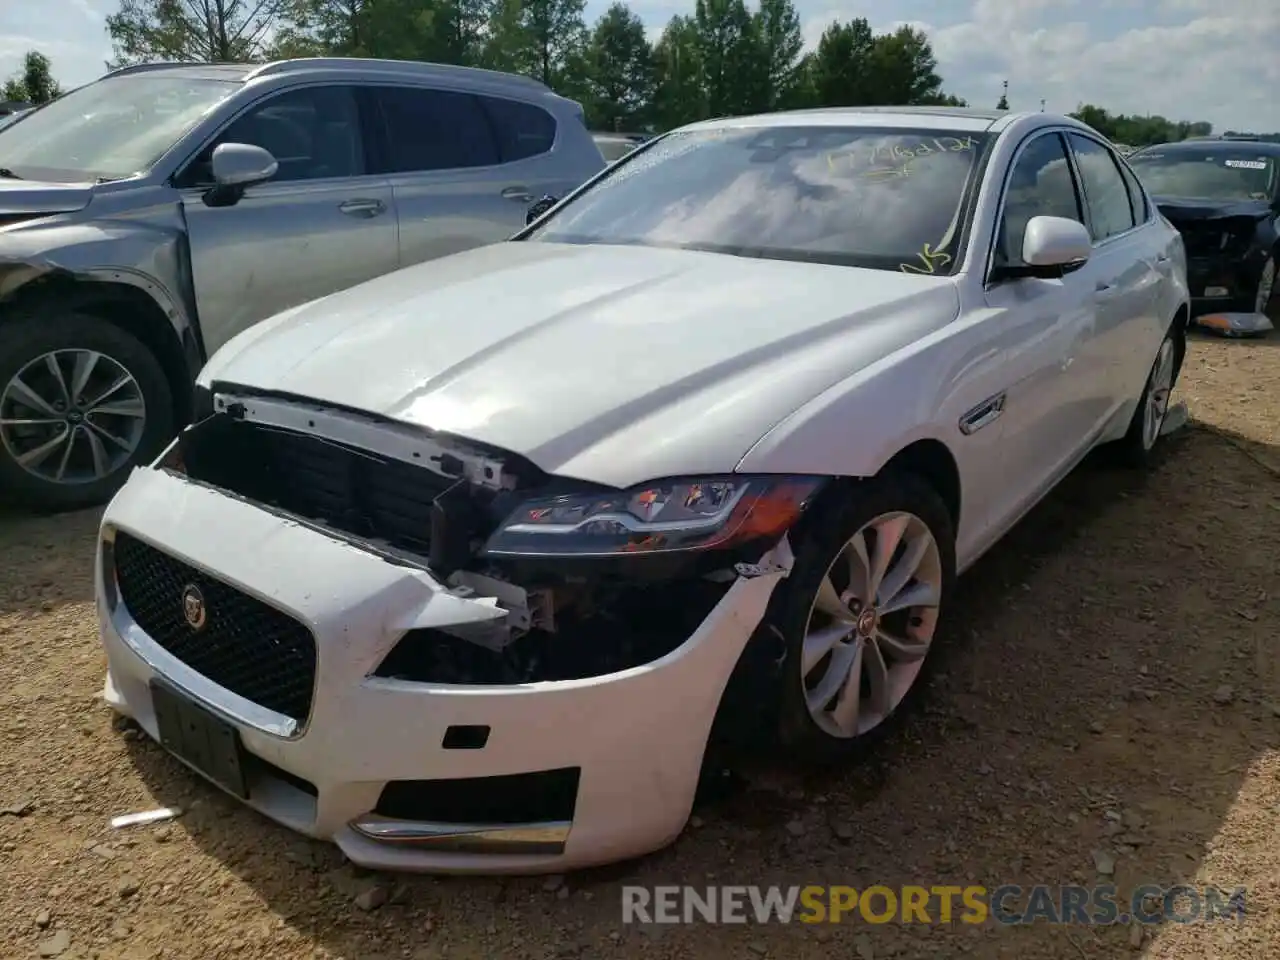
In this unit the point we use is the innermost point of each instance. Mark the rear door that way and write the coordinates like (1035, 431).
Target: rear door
(463, 168)
(321, 224)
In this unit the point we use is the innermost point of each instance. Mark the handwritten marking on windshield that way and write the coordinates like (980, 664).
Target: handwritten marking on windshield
(931, 259)
(899, 154)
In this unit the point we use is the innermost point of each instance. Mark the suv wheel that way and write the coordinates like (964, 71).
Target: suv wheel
(81, 403)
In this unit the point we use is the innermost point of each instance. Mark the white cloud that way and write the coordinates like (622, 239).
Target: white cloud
(1184, 59)
(1210, 60)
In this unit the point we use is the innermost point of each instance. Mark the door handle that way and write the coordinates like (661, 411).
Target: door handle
(1162, 258)
(519, 194)
(987, 412)
(362, 208)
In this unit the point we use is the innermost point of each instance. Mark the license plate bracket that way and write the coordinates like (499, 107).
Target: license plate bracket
(200, 738)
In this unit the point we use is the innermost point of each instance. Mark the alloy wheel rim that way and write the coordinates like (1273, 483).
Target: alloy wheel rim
(1266, 286)
(72, 416)
(871, 625)
(1158, 391)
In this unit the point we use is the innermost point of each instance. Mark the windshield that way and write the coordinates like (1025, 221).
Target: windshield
(853, 196)
(110, 129)
(1217, 174)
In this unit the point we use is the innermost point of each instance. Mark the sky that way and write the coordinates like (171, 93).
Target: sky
(1209, 60)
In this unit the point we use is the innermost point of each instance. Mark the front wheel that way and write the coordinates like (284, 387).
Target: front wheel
(860, 615)
(1266, 287)
(81, 403)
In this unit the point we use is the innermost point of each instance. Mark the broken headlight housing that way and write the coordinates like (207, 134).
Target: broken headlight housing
(662, 516)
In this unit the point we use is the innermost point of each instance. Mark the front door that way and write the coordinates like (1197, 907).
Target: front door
(1046, 328)
(320, 225)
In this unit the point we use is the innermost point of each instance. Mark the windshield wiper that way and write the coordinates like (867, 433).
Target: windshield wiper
(7, 174)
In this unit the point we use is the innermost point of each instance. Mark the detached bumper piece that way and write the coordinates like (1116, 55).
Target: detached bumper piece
(1236, 324)
(526, 813)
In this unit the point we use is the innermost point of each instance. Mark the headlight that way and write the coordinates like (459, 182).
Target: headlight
(666, 515)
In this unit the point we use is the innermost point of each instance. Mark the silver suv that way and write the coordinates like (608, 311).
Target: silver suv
(150, 216)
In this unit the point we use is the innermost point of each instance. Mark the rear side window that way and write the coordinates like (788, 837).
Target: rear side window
(1137, 199)
(434, 130)
(1104, 188)
(523, 130)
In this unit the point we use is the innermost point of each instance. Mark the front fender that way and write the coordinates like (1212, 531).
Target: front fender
(150, 257)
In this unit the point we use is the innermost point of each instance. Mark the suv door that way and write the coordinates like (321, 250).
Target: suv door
(1116, 360)
(320, 225)
(1042, 327)
(464, 167)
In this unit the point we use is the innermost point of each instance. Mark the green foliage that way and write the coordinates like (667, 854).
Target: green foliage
(193, 30)
(1139, 131)
(34, 83)
(620, 72)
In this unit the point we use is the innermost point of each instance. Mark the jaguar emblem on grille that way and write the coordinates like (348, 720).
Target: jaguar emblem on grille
(193, 607)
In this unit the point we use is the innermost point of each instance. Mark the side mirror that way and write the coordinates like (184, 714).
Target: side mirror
(242, 165)
(1055, 242)
(236, 166)
(538, 208)
(1051, 248)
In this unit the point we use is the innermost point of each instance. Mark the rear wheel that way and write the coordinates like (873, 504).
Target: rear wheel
(81, 403)
(1139, 446)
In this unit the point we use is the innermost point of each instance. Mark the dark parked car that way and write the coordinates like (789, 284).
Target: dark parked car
(1223, 195)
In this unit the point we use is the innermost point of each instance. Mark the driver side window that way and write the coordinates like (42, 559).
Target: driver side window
(314, 133)
(1040, 185)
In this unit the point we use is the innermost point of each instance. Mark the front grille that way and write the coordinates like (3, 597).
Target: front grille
(246, 646)
(350, 490)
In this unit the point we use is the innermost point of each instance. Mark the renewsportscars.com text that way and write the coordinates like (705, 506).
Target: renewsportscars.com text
(973, 904)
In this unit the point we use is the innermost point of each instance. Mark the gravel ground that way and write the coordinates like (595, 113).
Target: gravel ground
(1109, 698)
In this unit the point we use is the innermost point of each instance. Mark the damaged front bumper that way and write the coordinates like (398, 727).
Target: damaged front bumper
(441, 777)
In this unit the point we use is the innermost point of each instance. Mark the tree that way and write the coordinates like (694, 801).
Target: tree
(544, 39)
(840, 70)
(1139, 131)
(199, 31)
(777, 28)
(680, 94)
(445, 31)
(620, 71)
(34, 83)
(905, 69)
(734, 72)
(1003, 103)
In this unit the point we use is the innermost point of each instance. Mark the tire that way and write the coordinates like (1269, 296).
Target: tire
(1139, 448)
(97, 465)
(824, 543)
(1265, 296)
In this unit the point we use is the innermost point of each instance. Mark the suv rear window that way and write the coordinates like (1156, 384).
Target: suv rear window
(523, 130)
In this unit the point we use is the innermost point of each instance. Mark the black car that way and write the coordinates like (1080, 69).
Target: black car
(1223, 195)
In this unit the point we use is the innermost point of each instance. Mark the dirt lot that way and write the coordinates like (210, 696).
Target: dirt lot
(1111, 688)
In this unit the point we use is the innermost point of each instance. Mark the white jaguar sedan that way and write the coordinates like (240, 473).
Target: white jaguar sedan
(467, 568)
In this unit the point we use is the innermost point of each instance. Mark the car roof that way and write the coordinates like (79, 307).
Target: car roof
(364, 66)
(199, 71)
(952, 118)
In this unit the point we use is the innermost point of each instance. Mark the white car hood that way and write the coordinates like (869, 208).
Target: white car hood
(606, 363)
